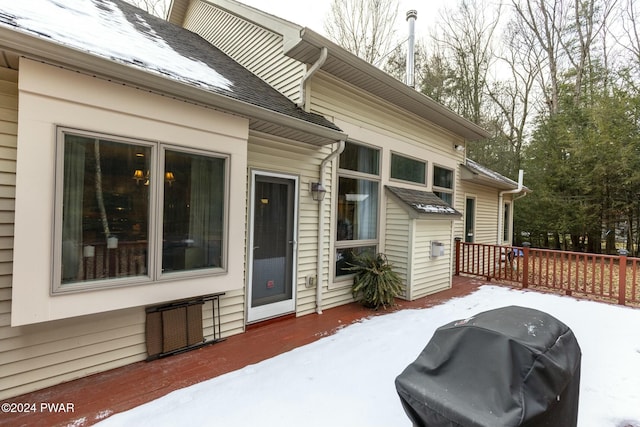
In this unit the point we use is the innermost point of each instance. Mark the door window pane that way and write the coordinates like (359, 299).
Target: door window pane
(507, 222)
(193, 211)
(105, 210)
(469, 223)
(357, 209)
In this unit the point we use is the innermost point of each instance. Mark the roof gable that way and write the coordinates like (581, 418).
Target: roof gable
(304, 45)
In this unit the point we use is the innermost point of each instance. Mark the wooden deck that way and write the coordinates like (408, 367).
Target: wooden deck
(96, 397)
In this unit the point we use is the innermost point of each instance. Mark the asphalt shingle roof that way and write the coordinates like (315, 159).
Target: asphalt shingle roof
(113, 18)
(423, 203)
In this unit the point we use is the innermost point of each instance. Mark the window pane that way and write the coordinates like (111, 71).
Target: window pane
(407, 169)
(357, 209)
(193, 214)
(506, 224)
(105, 209)
(447, 197)
(345, 258)
(360, 158)
(442, 177)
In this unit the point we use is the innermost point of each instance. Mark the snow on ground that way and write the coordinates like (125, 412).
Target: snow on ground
(347, 379)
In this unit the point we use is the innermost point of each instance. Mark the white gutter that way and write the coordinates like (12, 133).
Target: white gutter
(320, 258)
(324, 52)
(501, 204)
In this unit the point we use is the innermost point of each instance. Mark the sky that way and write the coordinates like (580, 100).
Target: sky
(312, 14)
(347, 379)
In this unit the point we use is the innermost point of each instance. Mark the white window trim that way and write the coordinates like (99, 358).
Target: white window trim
(156, 201)
(444, 189)
(346, 280)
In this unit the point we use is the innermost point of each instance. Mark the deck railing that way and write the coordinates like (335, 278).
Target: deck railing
(603, 277)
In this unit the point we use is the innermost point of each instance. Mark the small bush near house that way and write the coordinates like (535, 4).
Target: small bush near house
(375, 283)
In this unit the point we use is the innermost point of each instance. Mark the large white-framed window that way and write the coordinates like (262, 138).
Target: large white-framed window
(443, 183)
(358, 204)
(408, 169)
(130, 211)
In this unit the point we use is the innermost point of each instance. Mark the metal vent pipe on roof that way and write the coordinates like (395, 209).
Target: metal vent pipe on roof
(412, 15)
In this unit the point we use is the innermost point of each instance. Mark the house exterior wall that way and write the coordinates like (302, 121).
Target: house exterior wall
(431, 274)
(374, 122)
(34, 356)
(408, 247)
(267, 154)
(485, 231)
(256, 48)
(113, 110)
(399, 240)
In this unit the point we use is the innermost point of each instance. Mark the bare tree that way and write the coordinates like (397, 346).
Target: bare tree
(544, 20)
(155, 7)
(513, 96)
(363, 27)
(467, 38)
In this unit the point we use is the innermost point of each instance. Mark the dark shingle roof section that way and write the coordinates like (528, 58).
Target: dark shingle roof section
(247, 86)
(243, 85)
(423, 203)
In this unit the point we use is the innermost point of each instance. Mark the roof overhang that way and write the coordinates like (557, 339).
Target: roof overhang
(356, 71)
(260, 119)
(480, 175)
(304, 45)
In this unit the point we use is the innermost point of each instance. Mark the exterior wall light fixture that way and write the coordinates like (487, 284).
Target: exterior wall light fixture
(317, 191)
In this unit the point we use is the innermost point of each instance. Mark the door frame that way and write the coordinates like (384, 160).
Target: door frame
(281, 308)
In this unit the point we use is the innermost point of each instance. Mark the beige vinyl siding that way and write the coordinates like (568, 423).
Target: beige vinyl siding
(256, 48)
(44, 354)
(280, 156)
(399, 242)
(37, 356)
(431, 275)
(408, 248)
(332, 97)
(486, 212)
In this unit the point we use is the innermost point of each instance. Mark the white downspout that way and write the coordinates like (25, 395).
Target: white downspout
(320, 259)
(501, 204)
(303, 82)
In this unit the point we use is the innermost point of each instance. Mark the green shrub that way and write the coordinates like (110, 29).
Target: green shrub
(375, 283)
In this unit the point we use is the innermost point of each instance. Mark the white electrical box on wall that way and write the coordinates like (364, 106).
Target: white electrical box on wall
(437, 249)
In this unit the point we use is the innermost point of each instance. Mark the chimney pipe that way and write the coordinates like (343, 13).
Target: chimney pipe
(412, 15)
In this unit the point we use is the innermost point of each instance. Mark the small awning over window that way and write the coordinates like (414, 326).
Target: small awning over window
(423, 204)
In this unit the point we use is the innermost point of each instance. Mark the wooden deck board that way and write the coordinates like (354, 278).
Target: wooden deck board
(97, 396)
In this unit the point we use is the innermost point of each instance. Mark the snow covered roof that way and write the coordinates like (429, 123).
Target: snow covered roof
(121, 33)
(473, 171)
(422, 203)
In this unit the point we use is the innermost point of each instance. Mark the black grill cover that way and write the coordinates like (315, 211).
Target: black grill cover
(513, 366)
